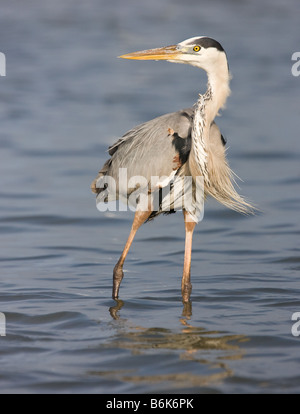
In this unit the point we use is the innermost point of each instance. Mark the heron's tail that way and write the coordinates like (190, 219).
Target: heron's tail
(222, 188)
(95, 184)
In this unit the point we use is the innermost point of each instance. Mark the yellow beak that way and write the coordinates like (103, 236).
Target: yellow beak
(162, 53)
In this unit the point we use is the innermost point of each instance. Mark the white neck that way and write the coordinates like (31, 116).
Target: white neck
(206, 109)
(218, 88)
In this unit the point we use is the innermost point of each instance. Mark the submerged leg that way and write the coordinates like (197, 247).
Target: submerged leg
(139, 218)
(186, 286)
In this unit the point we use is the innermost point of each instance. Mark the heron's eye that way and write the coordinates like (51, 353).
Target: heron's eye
(196, 48)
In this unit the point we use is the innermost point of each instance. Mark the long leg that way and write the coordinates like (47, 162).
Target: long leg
(139, 219)
(186, 286)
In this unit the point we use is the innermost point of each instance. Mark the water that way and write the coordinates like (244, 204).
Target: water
(64, 100)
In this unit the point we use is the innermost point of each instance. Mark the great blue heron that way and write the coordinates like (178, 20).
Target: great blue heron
(186, 143)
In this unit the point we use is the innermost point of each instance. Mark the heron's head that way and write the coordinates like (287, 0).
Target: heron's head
(203, 52)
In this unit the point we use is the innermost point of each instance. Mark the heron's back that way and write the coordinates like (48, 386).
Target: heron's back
(149, 149)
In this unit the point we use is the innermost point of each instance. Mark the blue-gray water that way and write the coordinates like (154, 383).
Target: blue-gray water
(64, 100)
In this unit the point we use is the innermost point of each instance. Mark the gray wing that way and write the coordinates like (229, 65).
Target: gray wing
(154, 148)
(149, 149)
(157, 148)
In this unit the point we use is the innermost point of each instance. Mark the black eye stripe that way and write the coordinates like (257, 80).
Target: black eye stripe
(207, 42)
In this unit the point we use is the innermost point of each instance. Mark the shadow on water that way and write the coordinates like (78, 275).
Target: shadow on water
(188, 358)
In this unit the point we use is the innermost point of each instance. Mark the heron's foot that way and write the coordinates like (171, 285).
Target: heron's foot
(186, 290)
(117, 279)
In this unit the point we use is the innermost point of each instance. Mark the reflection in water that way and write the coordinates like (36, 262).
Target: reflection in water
(186, 312)
(208, 351)
(114, 309)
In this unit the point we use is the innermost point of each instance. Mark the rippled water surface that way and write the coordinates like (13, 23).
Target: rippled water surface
(64, 100)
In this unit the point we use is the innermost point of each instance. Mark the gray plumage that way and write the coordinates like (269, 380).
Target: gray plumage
(184, 150)
(149, 150)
